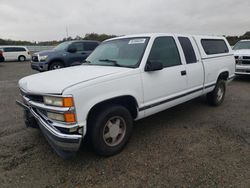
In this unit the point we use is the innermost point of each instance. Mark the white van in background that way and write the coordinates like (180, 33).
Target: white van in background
(15, 53)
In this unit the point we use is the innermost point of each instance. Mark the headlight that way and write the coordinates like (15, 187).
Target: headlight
(43, 58)
(58, 101)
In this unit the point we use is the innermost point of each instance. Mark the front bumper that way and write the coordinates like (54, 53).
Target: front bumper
(242, 70)
(65, 145)
(39, 66)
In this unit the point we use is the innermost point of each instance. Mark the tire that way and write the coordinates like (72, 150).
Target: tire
(21, 58)
(216, 97)
(29, 120)
(1, 59)
(110, 130)
(56, 65)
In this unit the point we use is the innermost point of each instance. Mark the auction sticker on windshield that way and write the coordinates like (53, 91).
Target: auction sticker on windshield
(137, 41)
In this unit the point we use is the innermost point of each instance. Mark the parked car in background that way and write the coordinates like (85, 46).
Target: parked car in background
(1, 56)
(242, 57)
(15, 53)
(125, 79)
(66, 54)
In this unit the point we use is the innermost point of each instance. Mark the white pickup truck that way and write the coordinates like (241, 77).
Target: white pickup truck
(242, 57)
(125, 79)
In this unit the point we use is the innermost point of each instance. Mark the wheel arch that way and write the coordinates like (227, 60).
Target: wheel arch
(56, 60)
(128, 101)
(223, 75)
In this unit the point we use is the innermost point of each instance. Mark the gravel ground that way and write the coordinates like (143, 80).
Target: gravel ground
(191, 145)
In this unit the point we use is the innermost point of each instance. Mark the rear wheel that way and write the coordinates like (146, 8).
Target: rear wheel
(21, 58)
(1, 59)
(56, 65)
(110, 130)
(216, 97)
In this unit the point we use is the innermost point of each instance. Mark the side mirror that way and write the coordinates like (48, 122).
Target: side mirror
(153, 65)
(72, 50)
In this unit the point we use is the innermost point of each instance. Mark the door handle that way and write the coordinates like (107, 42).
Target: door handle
(183, 73)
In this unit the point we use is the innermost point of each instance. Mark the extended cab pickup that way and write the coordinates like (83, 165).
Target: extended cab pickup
(125, 79)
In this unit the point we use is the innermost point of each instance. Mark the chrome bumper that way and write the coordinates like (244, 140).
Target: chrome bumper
(242, 70)
(65, 145)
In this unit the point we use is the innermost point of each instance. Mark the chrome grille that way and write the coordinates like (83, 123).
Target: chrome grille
(35, 98)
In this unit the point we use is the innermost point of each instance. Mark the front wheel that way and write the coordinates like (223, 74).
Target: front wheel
(110, 130)
(216, 97)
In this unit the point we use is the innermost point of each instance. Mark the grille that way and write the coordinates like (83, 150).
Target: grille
(242, 57)
(245, 62)
(35, 98)
(44, 112)
(246, 57)
(241, 70)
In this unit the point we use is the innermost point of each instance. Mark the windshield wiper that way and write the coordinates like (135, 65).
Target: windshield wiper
(111, 61)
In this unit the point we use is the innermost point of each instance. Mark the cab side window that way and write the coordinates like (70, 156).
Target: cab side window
(90, 46)
(79, 46)
(188, 50)
(165, 51)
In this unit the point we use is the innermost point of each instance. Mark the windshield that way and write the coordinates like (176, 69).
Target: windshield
(242, 45)
(62, 46)
(125, 52)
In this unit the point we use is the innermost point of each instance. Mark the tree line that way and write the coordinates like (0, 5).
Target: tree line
(88, 36)
(234, 39)
(99, 37)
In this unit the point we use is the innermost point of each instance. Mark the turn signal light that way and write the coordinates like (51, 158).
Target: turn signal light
(69, 118)
(68, 102)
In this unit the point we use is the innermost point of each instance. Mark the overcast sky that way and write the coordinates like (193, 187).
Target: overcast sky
(39, 20)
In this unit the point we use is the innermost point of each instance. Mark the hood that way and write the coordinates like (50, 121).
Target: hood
(245, 52)
(54, 82)
(46, 52)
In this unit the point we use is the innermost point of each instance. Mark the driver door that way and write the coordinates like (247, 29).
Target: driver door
(77, 57)
(163, 88)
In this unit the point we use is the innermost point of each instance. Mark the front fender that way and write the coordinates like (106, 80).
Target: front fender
(85, 98)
